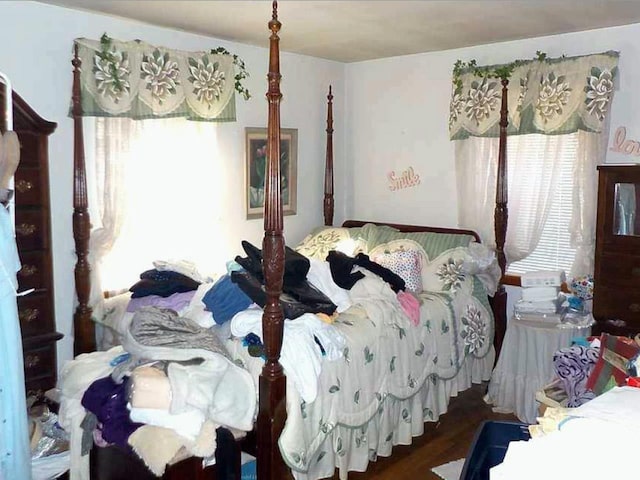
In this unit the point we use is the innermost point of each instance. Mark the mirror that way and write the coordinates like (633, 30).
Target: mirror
(627, 203)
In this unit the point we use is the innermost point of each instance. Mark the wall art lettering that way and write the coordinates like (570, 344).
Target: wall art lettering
(407, 178)
(624, 146)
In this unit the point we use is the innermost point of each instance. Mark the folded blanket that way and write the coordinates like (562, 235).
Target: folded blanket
(162, 283)
(187, 424)
(159, 334)
(225, 299)
(184, 267)
(177, 301)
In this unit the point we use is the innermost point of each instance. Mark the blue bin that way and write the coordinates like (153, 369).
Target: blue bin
(490, 446)
(249, 471)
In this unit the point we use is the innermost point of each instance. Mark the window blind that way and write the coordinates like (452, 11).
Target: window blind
(554, 251)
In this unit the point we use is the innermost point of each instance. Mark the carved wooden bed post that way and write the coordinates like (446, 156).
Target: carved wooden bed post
(272, 401)
(84, 333)
(328, 171)
(499, 301)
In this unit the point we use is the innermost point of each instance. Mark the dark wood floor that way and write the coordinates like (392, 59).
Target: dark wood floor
(444, 441)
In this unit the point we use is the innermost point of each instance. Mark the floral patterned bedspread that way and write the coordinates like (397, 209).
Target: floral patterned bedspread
(387, 360)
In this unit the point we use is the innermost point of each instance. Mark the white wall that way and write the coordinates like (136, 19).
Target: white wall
(36, 44)
(398, 108)
(389, 114)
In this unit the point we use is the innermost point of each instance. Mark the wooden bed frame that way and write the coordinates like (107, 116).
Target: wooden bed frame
(272, 404)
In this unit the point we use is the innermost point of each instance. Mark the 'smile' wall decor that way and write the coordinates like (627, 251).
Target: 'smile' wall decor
(405, 179)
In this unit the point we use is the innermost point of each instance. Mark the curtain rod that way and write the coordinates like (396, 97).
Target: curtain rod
(8, 110)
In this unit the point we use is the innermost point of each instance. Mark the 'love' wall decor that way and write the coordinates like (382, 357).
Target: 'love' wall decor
(620, 143)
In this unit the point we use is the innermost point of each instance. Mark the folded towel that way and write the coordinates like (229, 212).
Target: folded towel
(540, 307)
(537, 294)
(542, 278)
(187, 424)
(149, 388)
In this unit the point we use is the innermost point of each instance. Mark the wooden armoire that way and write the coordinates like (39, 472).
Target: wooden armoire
(616, 299)
(33, 237)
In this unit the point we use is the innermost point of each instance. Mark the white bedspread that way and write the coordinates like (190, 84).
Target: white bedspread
(392, 377)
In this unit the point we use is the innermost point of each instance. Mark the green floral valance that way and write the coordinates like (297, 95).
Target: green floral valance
(139, 81)
(550, 96)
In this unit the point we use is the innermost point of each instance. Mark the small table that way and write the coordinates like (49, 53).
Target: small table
(525, 364)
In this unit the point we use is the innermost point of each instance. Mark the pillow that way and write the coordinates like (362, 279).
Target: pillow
(321, 241)
(405, 263)
(444, 273)
(611, 368)
(432, 243)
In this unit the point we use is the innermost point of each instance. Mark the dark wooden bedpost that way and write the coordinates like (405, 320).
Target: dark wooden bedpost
(328, 170)
(272, 411)
(84, 333)
(501, 214)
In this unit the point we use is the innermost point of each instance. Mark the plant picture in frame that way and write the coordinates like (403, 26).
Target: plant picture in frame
(255, 170)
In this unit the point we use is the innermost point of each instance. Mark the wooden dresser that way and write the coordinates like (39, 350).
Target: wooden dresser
(616, 300)
(33, 236)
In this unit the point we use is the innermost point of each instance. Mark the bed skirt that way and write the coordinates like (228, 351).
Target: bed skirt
(351, 448)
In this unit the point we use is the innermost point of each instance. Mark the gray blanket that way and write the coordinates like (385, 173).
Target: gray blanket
(160, 334)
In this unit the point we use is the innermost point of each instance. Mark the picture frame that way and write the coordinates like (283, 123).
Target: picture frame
(255, 170)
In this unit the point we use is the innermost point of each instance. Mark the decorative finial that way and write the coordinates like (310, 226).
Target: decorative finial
(274, 24)
(76, 62)
(330, 96)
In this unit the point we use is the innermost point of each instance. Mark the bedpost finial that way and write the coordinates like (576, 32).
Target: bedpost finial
(330, 96)
(76, 62)
(274, 23)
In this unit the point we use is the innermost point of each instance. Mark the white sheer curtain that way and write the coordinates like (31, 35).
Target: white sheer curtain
(532, 178)
(582, 229)
(476, 170)
(113, 138)
(158, 188)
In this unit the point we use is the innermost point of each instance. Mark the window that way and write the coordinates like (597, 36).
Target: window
(531, 152)
(163, 182)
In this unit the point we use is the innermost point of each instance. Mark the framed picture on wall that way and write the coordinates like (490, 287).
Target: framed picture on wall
(255, 170)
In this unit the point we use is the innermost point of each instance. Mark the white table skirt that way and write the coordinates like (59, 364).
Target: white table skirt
(526, 365)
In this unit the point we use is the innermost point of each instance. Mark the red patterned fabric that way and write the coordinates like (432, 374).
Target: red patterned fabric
(611, 367)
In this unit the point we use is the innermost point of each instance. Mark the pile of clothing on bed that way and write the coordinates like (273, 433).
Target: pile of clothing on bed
(314, 293)
(173, 381)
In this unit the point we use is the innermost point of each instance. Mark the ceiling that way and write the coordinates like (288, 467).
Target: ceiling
(351, 31)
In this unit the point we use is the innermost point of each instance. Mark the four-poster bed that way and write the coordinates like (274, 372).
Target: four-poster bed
(272, 410)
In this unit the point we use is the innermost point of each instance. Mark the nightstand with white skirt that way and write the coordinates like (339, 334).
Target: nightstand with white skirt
(525, 364)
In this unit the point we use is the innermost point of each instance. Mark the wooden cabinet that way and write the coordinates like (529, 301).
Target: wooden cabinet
(33, 237)
(616, 301)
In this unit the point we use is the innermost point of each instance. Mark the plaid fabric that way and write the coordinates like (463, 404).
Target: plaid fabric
(611, 368)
